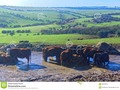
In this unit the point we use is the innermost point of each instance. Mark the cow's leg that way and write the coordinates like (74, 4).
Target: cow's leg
(87, 61)
(108, 62)
(64, 63)
(45, 58)
(103, 63)
(14, 60)
(28, 60)
(94, 62)
(97, 62)
(61, 62)
(58, 61)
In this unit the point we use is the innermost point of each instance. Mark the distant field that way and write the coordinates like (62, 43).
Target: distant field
(116, 16)
(57, 39)
(50, 39)
(29, 16)
(34, 29)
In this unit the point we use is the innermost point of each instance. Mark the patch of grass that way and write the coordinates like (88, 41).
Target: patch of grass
(50, 39)
(57, 39)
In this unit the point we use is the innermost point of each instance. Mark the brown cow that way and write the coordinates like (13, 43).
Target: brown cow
(67, 56)
(21, 53)
(6, 59)
(52, 51)
(44, 52)
(89, 52)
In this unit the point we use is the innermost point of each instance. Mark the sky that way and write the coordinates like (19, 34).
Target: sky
(60, 3)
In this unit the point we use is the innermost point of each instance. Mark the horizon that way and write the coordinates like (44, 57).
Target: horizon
(59, 3)
(62, 6)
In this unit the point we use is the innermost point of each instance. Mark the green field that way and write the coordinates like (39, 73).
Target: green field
(57, 39)
(37, 19)
(50, 39)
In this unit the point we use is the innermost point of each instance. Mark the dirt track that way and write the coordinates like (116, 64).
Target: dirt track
(43, 71)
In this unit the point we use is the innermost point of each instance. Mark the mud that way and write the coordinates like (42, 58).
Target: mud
(39, 71)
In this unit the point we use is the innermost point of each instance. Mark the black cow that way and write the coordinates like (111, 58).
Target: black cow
(101, 59)
(52, 51)
(21, 53)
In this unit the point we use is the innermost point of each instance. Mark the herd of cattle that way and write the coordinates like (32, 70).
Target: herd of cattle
(76, 56)
(64, 56)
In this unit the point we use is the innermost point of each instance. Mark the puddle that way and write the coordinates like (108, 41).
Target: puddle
(114, 66)
(32, 66)
(36, 62)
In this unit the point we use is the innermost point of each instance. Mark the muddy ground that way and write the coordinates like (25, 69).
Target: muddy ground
(39, 71)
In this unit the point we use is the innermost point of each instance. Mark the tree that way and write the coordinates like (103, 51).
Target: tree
(103, 34)
(16, 26)
(12, 33)
(118, 33)
(4, 32)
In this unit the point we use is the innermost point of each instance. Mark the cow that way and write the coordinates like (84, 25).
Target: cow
(21, 53)
(52, 51)
(44, 50)
(89, 52)
(6, 59)
(67, 56)
(4, 48)
(101, 59)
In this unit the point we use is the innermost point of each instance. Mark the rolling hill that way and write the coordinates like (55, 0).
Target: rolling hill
(60, 22)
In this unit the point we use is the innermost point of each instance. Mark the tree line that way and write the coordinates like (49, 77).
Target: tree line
(12, 32)
(105, 18)
(102, 32)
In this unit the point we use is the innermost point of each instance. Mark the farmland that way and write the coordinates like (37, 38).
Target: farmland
(58, 25)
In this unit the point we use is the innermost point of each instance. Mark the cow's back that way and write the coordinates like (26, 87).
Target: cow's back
(20, 52)
(14, 52)
(24, 52)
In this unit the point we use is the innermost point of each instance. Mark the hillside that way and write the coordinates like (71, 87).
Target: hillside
(30, 16)
(45, 22)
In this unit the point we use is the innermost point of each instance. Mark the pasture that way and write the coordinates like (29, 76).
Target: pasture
(60, 39)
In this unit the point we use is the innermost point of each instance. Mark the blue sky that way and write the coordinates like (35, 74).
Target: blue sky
(60, 3)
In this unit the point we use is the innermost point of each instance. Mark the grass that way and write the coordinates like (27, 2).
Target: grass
(114, 40)
(50, 39)
(33, 29)
(57, 39)
(118, 16)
